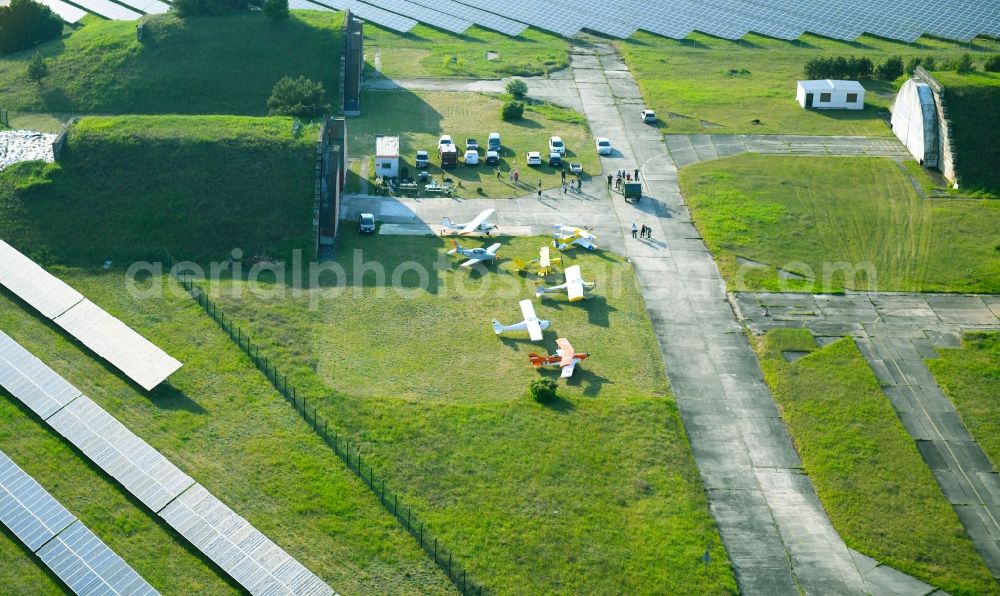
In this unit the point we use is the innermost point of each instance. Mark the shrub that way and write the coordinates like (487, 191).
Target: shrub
(297, 97)
(512, 110)
(890, 70)
(24, 23)
(912, 64)
(839, 67)
(964, 64)
(543, 390)
(38, 68)
(929, 63)
(992, 63)
(517, 87)
(276, 10)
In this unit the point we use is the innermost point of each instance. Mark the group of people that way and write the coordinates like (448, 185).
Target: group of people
(643, 232)
(512, 176)
(618, 180)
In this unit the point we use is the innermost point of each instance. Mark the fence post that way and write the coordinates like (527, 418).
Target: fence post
(421, 534)
(449, 564)
(435, 551)
(395, 504)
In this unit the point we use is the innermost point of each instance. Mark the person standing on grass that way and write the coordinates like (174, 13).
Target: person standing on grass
(498, 173)
(539, 184)
(609, 181)
(635, 229)
(564, 176)
(539, 194)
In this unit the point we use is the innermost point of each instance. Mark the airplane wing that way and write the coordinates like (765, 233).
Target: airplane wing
(534, 329)
(566, 351)
(473, 225)
(567, 371)
(574, 283)
(585, 242)
(543, 258)
(493, 248)
(470, 263)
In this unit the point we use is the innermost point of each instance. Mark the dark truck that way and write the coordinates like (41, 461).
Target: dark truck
(448, 155)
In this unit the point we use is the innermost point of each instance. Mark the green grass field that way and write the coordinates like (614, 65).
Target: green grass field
(878, 492)
(220, 421)
(692, 79)
(972, 100)
(206, 65)
(419, 118)
(429, 52)
(595, 493)
(811, 215)
(970, 377)
(127, 187)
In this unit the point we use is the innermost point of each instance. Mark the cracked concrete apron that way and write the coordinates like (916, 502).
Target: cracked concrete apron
(895, 333)
(775, 530)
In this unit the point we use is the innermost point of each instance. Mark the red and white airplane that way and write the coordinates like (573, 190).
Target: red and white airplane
(565, 357)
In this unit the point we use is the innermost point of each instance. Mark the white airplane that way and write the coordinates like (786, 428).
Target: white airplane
(531, 324)
(477, 225)
(567, 236)
(574, 285)
(566, 358)
(475, 255)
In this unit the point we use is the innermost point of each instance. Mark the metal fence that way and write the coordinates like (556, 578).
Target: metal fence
(348, 453)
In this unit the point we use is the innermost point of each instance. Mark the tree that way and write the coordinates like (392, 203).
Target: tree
(543, 390)
(38, 68)
(964, 64)
(24, 23)
(512, 110)
(912, 64)
(890, 70)
(297, 97)
(992, 63)
(518, 88)
(276, 10)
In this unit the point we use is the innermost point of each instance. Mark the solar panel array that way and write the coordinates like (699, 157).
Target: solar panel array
(105, 335)
(258, 564)
(239, 549)
(75, 554)
(904, 20)
(108, 10)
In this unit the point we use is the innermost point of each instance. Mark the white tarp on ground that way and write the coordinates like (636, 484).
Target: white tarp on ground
(25, 145)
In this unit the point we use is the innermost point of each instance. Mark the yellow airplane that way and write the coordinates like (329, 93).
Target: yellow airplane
(543, 264)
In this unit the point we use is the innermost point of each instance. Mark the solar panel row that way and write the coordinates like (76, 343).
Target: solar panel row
(258, 564)
(142, 470)
(368, 12)
(75, 554)
(85, 564)
(109, 10)
(236, 546)
(105, 335)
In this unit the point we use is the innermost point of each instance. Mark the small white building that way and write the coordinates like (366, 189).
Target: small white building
(830, 94)
(386, 156)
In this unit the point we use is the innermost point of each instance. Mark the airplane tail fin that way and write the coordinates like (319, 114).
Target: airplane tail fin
(536, 360)
(540, 291)
(519, 265)
(455, 245)
(497, 327)
(446, 222)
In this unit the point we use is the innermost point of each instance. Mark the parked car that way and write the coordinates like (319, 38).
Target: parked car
(471, 157)
(556, 146)
(603, 146)
(575, 167)
(471, 144)
(493, 143)
(423, 158)
(445, 140)
(492, 157)
(534, 158)
(366, 223)
(649, 116)
(555, 159)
